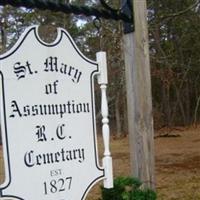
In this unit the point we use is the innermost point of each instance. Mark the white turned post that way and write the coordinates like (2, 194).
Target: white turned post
(103, 81)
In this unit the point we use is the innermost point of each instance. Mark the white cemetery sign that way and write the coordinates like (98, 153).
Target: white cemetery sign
(48, 120)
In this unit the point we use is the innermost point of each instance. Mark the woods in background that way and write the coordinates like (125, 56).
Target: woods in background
(174, 35)
(175, 61)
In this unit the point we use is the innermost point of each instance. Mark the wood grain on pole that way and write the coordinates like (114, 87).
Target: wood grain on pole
(139, 99)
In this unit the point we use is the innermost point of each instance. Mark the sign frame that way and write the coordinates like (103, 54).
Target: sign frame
(102, 77)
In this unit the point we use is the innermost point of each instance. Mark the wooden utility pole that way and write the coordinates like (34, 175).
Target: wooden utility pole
(139, 99)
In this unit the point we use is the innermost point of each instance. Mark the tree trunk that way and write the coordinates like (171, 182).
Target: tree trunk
(188, 103)
(166, 104)
(180, 103)
(117, 116)
(196, 111)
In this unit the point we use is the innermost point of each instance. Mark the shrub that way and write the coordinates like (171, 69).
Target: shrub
(127, 188)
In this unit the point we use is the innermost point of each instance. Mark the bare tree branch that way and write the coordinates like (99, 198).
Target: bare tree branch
(182, 12)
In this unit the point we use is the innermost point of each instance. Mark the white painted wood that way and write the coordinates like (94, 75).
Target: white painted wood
(107, 164)
(103, 80)
(105, 121)
(101, 59)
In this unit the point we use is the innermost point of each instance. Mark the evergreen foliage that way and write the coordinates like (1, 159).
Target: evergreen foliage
(174, 38)
(127, 188)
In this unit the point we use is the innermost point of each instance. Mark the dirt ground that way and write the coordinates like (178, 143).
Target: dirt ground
(177, 164)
